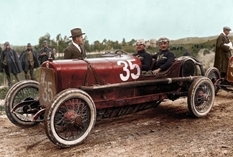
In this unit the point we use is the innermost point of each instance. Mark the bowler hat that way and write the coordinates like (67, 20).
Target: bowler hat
(76, 32)
(7, 43)
(227, 28)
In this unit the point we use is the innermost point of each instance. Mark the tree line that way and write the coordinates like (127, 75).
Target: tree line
(59, 43)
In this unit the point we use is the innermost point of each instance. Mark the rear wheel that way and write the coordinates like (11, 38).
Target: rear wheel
(23, 91)
(70, 118)
(213, 74)
(200, 97)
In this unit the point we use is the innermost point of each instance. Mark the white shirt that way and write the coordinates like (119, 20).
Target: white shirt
(77, 46)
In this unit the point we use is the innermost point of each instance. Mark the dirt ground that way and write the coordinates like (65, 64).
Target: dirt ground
(166, 130)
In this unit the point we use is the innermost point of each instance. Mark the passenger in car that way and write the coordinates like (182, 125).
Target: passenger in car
(144, 56)
(164, 58)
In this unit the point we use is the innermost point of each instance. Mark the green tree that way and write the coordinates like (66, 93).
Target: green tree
(123, 43)
(87, 45)
(42, 39)
(97, 46)
(132, 42)
(105, 44)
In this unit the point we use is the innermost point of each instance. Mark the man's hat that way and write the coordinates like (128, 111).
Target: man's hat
(227, 28)
(76, 32)
(29, 45)
(6, 43)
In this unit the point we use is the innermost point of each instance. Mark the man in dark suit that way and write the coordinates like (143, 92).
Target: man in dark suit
(223, 51)
(29, 61)
(76, 49)
(10, 63)
(45, 53)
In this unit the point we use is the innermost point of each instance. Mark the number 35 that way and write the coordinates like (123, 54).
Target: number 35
(128, 66)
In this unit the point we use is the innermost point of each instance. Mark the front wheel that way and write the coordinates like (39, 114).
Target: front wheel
(201, 97)
(70, 118)
(23, 92)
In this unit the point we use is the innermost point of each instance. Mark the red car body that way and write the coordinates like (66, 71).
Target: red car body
(72, 94)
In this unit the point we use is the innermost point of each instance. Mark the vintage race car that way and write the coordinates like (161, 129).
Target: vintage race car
(72, 94)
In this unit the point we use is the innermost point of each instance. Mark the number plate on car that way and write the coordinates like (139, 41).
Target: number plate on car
(47, 87)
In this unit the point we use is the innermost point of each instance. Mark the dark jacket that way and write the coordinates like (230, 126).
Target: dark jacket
(164, 60)
(222, 53)
(12, 61)
(145, 58)
(43, 58)
(24, 60)
(72, 52)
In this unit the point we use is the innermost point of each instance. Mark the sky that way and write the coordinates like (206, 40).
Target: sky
(25, 21)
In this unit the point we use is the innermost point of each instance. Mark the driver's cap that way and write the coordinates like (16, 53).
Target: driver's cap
(140, 42)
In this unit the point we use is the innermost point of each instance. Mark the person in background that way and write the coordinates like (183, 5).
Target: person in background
(223, 51)
(10, 63)
(29, 61)
(76, 49)
(164, 58)
(145, 57)
(45, 53)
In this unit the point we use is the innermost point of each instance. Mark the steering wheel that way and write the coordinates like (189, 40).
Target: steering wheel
(120, 52)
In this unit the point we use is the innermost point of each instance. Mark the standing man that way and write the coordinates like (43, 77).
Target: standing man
(45, 53)
(76, 49)
(145, 57)
(223, 51)
(10, 63)
(164, 58)
(29, 61)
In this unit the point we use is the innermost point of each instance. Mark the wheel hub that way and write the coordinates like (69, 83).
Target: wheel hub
(201, 97)
(73, 118)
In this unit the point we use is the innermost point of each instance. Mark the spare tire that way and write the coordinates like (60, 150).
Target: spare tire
(188, 68)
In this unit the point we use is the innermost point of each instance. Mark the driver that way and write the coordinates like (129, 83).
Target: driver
(164, 58)
(145, 57)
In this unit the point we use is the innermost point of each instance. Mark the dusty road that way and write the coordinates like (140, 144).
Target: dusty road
(163, 131)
